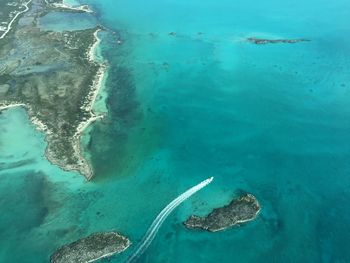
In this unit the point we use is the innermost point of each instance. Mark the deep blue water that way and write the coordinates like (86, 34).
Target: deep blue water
(272, 120)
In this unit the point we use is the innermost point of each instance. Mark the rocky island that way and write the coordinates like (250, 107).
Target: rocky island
(53, 75)
(91, 248)
(240, 210)
(264, 41)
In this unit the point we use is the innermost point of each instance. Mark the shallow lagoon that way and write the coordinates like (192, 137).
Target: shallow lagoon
(64, 21)
(271, 120)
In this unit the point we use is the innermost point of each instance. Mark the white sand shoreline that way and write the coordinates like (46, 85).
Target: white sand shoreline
(96, 86)
(13, 105)
(39, 125)
(92, 51)
(89, 103)
(14, 18)
(83, 8)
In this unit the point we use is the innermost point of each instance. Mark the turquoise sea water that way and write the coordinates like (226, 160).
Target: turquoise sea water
(272, 120)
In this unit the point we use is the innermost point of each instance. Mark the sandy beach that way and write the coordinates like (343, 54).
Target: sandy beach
(8, 106)
(88, 105)
(83, 8)
(91, 97)
(39, 125)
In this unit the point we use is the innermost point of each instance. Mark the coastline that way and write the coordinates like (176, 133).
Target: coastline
(11, 105)
(39, 125)
(91, 53)
(89, 103)
(14, 18)
(83, 166)
(81, 8)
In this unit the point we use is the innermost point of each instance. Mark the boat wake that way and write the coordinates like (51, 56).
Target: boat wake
(153, 229)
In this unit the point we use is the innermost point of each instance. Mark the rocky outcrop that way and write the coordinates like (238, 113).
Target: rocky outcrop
(91, 248)
(264, 41)
(240, 210)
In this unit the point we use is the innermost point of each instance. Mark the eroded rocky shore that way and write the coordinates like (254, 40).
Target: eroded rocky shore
(239, 211)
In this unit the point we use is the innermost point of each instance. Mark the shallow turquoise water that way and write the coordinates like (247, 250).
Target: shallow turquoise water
(270, 120)
(61, 21)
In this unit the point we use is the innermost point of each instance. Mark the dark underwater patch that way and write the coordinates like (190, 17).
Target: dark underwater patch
(24, 203)
(12, 165)
(108, 138)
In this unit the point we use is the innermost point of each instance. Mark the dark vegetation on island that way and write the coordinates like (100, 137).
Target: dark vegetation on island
(264, 41)
(91, 248)
(241, 210)
(51, 75)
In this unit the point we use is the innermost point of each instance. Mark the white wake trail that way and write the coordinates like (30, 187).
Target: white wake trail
(153, 229)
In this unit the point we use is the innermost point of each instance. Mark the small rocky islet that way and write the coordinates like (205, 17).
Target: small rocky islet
(91, 248)
(241, 210)
(264, 41)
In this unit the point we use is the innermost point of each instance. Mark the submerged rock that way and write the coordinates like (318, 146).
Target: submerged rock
(91, 248)
(240, 210)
